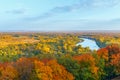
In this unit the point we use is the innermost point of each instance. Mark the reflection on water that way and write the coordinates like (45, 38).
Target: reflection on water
(89, 43)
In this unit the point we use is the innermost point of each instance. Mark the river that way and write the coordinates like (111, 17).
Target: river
(89, 43)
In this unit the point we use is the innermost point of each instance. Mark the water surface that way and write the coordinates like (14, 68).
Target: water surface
(89, 43)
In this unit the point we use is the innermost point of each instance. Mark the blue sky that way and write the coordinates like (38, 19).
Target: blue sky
(59, 15)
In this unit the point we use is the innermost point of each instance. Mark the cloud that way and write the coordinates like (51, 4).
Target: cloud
(93, 4)
(64, 25)
(105, 3)
(52, 12)
(16, 11)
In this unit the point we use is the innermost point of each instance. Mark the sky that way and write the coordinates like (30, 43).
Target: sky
(59, 15)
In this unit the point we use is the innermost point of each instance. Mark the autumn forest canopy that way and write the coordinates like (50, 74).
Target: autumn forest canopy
(55, 56)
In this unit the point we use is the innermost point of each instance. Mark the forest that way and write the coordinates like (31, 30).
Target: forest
(55, 56)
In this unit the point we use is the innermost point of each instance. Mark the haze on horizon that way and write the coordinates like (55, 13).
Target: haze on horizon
(62, 15)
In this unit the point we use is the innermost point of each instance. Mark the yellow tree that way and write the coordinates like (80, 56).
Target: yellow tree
(59, 72)
(116, 62)
(8, 72)
(43, 72)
